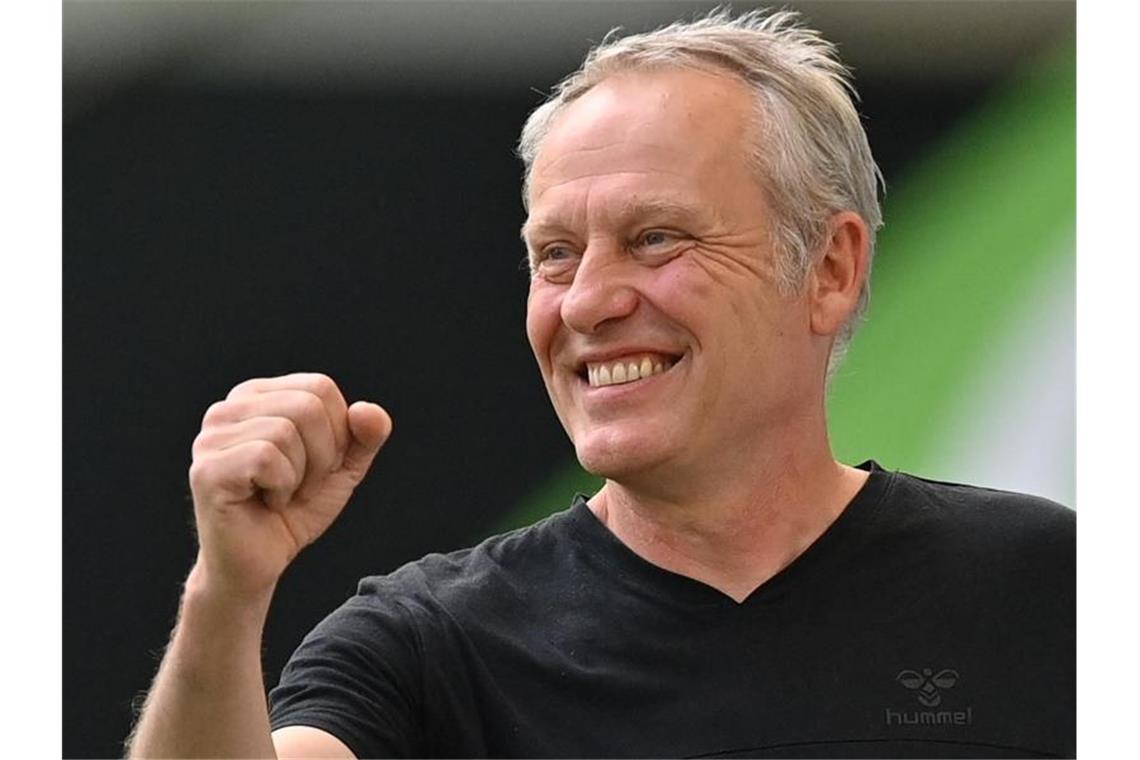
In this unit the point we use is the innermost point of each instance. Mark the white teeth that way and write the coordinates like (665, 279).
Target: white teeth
(625, 371)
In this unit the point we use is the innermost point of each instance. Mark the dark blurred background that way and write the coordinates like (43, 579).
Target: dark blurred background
(252, 189)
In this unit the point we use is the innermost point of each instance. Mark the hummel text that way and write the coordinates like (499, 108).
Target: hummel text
(930, 717)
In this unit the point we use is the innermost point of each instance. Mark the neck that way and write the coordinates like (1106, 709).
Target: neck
(733, 533)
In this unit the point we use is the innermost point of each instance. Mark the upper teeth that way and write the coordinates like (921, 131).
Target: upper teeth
(626, 369)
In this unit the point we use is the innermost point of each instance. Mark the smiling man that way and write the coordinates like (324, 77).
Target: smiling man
(702, 207)
(652, 247)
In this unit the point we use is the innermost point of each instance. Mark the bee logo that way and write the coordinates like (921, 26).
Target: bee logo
(928, 683)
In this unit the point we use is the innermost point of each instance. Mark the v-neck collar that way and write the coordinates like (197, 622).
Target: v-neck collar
(600, 542)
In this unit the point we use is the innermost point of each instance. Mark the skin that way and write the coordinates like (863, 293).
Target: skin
(647, 234)
(648, 231)
(273, 466)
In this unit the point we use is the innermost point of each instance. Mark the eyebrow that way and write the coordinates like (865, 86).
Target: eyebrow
(632, 208)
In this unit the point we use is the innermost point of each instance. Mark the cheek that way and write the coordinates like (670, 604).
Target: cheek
(543, 316)
(683, 292)
(682, 280)
(722, 299)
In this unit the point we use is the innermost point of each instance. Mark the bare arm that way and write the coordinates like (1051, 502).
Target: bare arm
(273, 467)
(208, 699)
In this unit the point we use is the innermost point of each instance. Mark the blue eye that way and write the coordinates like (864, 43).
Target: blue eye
(655, 237)
(551, 254)
(555, 261)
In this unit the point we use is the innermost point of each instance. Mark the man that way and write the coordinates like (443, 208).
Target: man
(702, 206)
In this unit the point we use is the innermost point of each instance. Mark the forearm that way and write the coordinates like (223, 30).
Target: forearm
(208, 699)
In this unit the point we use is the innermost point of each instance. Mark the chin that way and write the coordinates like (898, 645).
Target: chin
(616, 456)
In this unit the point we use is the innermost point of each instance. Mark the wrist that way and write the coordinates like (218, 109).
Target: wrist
(207, 592)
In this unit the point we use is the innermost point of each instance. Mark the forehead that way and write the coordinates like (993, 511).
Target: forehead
(649, 127)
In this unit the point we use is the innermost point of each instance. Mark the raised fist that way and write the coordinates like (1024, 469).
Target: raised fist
(273, 466)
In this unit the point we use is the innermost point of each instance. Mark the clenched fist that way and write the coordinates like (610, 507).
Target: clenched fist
(274, 465)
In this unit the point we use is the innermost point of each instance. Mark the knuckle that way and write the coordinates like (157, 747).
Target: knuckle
(284, 430)
(201, 473)
(264, 456)
(322, 385)
(202, 442)
(310, 407)
(243, 387)
(217, 412)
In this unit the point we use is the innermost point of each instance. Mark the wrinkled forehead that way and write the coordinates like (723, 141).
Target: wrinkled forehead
(679, 121)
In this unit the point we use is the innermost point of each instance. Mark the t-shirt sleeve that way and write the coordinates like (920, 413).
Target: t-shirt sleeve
(357, 675)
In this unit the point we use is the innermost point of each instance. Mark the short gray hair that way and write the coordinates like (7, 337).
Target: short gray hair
(810, 155)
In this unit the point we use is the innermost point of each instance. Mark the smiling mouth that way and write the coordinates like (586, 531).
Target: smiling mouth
(626, 369)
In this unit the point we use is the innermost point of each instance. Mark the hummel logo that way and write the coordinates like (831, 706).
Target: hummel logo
(928, 683)
(929, 686)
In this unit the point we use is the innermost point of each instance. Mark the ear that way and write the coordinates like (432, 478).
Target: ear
(837, 277)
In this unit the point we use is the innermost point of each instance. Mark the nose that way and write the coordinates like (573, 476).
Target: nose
(601, 291)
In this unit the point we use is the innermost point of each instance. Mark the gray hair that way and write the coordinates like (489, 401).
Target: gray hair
(810, 153)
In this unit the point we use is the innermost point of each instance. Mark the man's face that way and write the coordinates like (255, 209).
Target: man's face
(651, 241)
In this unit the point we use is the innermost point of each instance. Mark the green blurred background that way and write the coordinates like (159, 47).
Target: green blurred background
(254, 188)
(965, 368)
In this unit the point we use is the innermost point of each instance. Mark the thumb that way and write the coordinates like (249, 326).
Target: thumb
(370, 426)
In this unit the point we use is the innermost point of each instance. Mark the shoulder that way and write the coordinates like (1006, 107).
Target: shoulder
(971, 507)
(504, 568)
(397, 616)
(965, 555)
(980, 529)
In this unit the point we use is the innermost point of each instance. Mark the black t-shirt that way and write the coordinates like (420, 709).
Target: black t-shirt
(929, 620)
